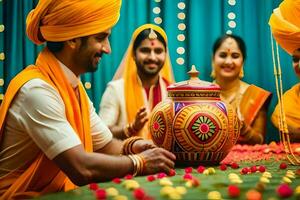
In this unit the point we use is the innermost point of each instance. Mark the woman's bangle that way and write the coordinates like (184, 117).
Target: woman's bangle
(128, 145)
(138, 164)
(129, 130)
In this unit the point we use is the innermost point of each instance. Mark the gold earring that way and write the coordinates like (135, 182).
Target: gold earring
(213, 73)
(241, 74)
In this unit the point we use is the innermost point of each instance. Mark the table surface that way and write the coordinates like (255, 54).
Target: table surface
(270, 156)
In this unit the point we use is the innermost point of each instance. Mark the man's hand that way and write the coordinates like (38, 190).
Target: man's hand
(140, 119)
(158, 160)
(142, 145)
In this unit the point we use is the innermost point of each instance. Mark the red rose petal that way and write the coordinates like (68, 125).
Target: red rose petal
(253, 169)
(261, 168)
(100, 194)
(283, 165)
(200, 169)
(161, 175)
(233, 191)
(245, 170)
(172, 172)
(151, 178)
(234, 165)
(188, 170)
(93, 186)
(117, 180)
(128, 176)
(139, 194)
(284, 190)
(223, 167)
(188, 177)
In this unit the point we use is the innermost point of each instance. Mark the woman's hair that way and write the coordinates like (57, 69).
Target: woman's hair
(144, 35)
(239, 41)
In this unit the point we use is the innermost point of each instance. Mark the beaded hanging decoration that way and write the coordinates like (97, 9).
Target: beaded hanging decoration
(283, 130)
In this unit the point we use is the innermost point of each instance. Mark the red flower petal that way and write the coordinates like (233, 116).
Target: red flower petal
(234, 165)
(233, 191)
(284, 190)
(151, 178)
(128, 176)
(200, 169)
(253, 169)
(161, 175)
(93, 186)
(100, 194)
(262, 168)
(139, 194)
(188, 170)
(283, 165)
(245, 170)
(188, 177)
(172, 172)
(117, 180)
(223, 167)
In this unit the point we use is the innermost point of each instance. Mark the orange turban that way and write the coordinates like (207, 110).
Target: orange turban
(61, 20)
(285, 25)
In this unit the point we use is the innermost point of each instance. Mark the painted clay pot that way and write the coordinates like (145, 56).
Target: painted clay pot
(194, 123)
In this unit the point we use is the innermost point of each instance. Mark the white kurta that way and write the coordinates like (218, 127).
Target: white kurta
(37, 121)
(112, 106)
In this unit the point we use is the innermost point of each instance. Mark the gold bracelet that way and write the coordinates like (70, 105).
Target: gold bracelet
(142, 164)
(128, 145)
(138, 164)
(134, 161)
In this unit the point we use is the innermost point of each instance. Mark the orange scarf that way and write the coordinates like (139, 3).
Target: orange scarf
(43, 176)
(133, 88)
(253, 100)
(291, 105)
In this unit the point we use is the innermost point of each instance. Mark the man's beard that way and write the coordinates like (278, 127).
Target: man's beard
(147, 72)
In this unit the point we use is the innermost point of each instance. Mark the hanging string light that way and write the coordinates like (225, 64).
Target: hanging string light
(231, 17)
(181, 33)
(2, 54)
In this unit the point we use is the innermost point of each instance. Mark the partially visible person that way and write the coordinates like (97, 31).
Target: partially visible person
(139, 83)
(250, 101)
(51, 138)
(285, 27)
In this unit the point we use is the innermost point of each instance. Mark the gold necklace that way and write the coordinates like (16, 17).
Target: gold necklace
(232, 95)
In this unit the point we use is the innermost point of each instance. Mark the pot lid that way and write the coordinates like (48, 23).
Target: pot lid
(194, 83)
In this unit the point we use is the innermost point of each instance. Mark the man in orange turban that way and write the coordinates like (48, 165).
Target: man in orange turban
(51, 137)
(285, 26)
(141, 83)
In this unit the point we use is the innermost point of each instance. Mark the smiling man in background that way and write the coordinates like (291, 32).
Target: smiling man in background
(139, 84)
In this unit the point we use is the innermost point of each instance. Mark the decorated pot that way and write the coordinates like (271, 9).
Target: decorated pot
(194, 123)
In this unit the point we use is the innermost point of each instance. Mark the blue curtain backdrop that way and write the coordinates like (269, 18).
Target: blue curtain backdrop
(191, 26)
